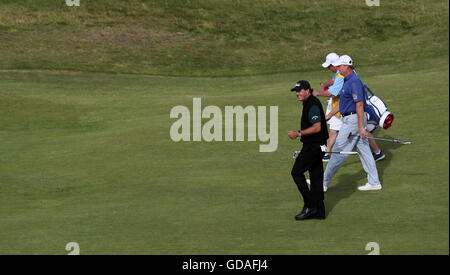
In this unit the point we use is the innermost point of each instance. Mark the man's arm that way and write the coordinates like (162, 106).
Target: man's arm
(358, 97)
(331, 90)
(315, 128)
(314, 120)
(336, 88)
(360, 114)
(333, 112)
(322, 92)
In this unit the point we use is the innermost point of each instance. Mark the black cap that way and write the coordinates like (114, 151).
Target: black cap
(301, 85)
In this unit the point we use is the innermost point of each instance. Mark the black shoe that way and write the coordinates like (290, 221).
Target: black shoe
(320, 211)
(378, 157)
(306, 214)
(302, 212)
(320, 214)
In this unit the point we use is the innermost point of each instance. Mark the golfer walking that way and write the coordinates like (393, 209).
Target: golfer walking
(313, 133)
(353, 130)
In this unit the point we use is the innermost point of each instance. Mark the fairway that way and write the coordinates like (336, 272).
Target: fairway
(89, 164)
(87, 158)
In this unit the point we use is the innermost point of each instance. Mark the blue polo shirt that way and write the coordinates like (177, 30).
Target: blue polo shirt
(352, 92)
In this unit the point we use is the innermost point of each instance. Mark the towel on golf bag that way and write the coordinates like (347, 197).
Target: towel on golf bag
(377, 112)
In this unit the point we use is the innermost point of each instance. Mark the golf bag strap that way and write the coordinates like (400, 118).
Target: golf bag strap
(367, 88)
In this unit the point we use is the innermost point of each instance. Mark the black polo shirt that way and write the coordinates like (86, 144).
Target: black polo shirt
(311, 114)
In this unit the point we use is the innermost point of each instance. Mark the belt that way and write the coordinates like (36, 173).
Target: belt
(347, 114)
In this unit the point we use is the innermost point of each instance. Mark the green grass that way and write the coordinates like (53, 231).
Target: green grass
(216, 37)
(87, 158)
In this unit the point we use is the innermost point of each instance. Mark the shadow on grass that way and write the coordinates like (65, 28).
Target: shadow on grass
(387, 148)
(347, 184)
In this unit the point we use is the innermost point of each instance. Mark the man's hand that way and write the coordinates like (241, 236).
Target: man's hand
(362, 133)
(329, 82)
(293, 134)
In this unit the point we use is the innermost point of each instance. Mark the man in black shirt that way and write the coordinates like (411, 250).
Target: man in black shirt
(313, 133)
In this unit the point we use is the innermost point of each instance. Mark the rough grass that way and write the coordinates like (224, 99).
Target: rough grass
(214, 38)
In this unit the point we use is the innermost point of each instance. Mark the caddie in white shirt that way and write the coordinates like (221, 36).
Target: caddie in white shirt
(331, 89)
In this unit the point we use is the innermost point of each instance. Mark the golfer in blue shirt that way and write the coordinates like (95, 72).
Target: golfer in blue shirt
(353, 130)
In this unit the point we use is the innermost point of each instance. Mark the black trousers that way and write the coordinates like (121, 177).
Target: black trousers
(310, 159)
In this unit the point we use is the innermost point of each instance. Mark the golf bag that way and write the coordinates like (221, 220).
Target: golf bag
(377, 112)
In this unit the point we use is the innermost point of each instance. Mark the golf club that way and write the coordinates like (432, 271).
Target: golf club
(385, 139)
(342, 153)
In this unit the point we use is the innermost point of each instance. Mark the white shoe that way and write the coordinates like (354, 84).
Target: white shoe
(325, 187)
(369, 187)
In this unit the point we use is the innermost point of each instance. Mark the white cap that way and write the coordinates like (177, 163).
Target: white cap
(331, 59)
(346, 60)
